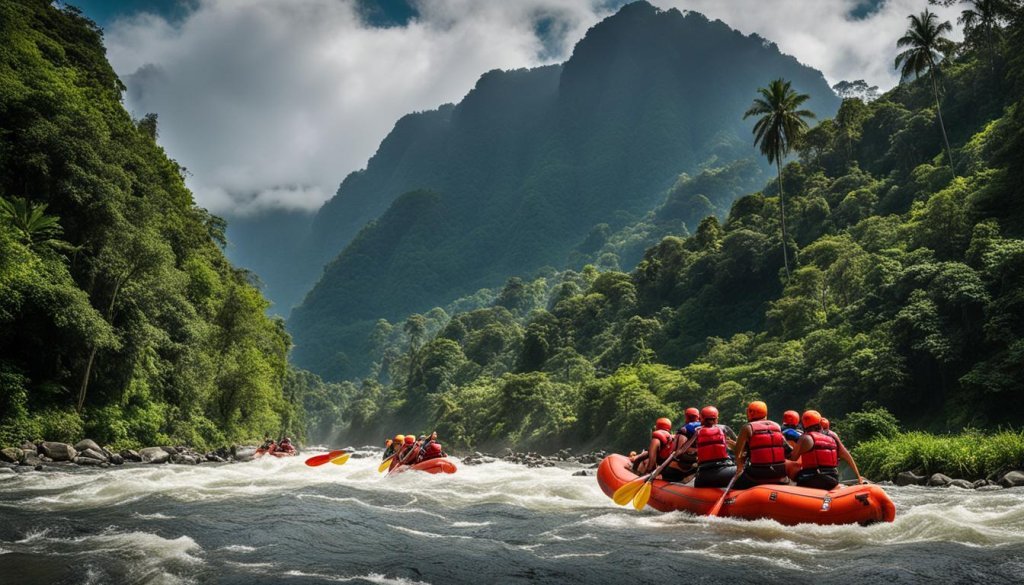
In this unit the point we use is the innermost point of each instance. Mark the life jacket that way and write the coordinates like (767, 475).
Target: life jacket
(667, 445)
(433, 451)
(825, 452)
(765, 446)
(711, 445)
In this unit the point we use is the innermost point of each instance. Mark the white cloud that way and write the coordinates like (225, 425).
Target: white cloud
(271, 103)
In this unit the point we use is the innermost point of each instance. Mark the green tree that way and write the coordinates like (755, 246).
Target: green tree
(30, 220)
(924, 48)
(779, 127)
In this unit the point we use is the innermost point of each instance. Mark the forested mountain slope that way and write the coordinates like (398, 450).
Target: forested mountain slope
(907, 292)
(120, 318)
(515, 176)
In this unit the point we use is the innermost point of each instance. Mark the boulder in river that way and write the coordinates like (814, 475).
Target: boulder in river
(939, 480)
(58, 451)
(87, 461)
(116, 459)
(88, 444)
(131, 455)
(962, 484)
(585, 473)
(31, 459)
(11, 455)
(910, 478)
(1012, 479)
(154, 455)
(92, 454)
(981, 483)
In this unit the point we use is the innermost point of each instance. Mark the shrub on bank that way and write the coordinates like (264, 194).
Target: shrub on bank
(969, 455)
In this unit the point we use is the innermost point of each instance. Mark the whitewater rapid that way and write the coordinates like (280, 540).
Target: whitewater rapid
(279, 521)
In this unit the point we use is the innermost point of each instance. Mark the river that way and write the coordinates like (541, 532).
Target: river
(279, 521)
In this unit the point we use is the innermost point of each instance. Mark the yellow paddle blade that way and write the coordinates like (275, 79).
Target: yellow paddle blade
(385, 464)
(624, 494)
(640, 500)
(341, 460)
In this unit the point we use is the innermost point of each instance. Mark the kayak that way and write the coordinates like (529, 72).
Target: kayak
(439, 465)
(786, 504)
(262, 452)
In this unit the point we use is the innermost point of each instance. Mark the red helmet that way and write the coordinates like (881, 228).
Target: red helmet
(791, 417)
(692, 414)
(663, 424)
(811, 418)
(757, 410)
(409, 439)
(709, 412)
(824, 424)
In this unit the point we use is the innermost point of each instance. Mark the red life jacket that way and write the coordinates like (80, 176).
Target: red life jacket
(765, 446)
(825, 452)
(433, 451)
(665, 439)
(711, 445)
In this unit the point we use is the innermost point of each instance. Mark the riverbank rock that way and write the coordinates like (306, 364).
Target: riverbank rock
(1012, 479)
(92, 454)
(905, 478)
(154, 455)
(585, 473)
(214, 458)
(962, 484)
(32, 459)
(85, 444)
(130, 455)
(11, 455)
(87, 461)
(58, 451)
(939, 480)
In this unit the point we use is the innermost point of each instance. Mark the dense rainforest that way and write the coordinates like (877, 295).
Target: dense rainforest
(524, 170)
(904, 294)
(120, 317)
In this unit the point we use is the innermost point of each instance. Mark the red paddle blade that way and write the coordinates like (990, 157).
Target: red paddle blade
(318, 460)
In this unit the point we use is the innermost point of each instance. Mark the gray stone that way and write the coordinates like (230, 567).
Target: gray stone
(961, 483)
(116, 459)
(45, 459)
(12, 455)
(981, 483)
(170, 450)
(88, 444)
(585, 473)
(87, 461)
(1012, 479)
(910, 478)
(214, 458)
(939, 480)
(154, 455)
(32, 459)
(131, 455)
(93, 454)
(58, 451)
(29, 446)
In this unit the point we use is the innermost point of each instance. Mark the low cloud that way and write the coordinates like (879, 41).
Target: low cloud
(271, 103)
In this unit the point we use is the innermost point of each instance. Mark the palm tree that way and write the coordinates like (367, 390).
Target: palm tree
(779, 127)
(30, 221)
(926, 48)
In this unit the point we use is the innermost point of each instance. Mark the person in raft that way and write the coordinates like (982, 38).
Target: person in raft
(819, 454)
(760, 450)
(286, 446)
(268, 443)
(392, 445)
(432, 449)
(686, 461)
(404, 452)
(715, 468)
(791, 426)
(661, 446)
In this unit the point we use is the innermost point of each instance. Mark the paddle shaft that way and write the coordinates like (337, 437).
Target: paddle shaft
(718, 505)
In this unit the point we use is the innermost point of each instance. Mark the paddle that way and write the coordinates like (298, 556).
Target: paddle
(318, 460)
(639, 490)
(718, 505)
(385, 464)
(341, 460)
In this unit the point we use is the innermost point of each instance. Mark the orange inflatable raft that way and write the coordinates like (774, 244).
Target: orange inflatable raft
(439, 465)
(860, 504)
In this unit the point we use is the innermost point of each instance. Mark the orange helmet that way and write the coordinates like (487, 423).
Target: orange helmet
(791, 417)
(692, 414)
(663, 424)
(399, 439)
(387, 443)
(409, 439)
(757, 410)
(824, 424)
(811, 418)
(709, 412)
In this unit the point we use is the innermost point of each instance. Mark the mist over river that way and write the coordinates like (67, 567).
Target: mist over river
(279, 521)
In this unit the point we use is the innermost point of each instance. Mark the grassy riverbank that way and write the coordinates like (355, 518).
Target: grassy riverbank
(969, 455)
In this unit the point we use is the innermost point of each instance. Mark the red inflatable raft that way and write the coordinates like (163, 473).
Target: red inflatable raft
(262, 452)
(439, 465)
(860, 504)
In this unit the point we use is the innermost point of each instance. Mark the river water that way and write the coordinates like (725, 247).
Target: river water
(279, 521)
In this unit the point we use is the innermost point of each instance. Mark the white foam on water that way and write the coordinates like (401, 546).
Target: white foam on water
(153, 516)
(431, 534)
(469, 524)
(238, 548)
(375, 578)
